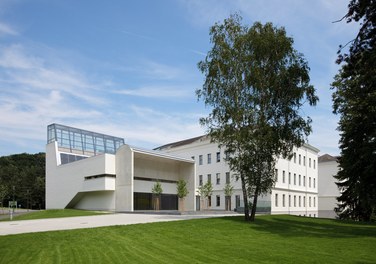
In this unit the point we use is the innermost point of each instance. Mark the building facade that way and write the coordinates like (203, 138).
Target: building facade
(93, 171)
(295, 192)
(328, 190)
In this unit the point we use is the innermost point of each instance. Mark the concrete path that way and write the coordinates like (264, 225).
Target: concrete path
(67, 223)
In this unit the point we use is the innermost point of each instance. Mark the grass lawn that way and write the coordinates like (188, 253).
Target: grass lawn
(271, 239)
(52, 214)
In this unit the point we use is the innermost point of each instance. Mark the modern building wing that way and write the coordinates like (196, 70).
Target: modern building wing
(295, 191)
(88, 170)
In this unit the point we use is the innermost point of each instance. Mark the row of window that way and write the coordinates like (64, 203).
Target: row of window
(301, 181)
(208, 158)
(217, 178)
(304, 160)
(295, 204)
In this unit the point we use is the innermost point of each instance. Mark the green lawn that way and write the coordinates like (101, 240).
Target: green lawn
(52, 214)
(271, 239)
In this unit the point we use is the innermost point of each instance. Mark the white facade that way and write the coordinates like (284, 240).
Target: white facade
(295, 192)
(121, 181)
(328, 190)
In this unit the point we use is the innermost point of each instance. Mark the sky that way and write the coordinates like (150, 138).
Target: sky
(129, 68)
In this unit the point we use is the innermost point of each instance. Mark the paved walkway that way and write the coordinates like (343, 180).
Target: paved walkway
(67, 223)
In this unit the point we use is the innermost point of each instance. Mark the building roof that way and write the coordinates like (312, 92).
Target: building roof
(327, 158)
(200, 138)
(180, 143)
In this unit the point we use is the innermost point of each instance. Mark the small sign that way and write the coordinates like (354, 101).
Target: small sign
(13, 204)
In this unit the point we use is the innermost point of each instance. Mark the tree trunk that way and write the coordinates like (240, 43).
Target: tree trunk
(245, 199)
(254, 205)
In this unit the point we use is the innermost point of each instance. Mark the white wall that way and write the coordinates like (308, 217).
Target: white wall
(328, 190)
(309, 170)
(64, 182)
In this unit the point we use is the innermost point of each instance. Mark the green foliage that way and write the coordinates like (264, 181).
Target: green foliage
(181, 188)
(354, 99)
(256, 84)
(157, 188)
(26, 172)
(229, 189)
(270, 239)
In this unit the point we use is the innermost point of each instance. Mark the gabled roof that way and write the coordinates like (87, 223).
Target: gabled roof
(180, 143)
(327, 158)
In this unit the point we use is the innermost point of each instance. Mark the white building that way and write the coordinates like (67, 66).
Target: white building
(328, 190)
(88, 170)
(295, 191)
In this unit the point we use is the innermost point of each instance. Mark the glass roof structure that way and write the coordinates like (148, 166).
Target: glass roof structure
(79, 141)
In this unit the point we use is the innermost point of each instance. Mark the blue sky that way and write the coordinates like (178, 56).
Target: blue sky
(129, 68)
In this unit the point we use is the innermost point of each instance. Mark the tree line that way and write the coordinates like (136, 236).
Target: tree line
(22, 179)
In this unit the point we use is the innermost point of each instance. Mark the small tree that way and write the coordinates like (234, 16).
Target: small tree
(182, 192)
(229, 191)
(204, 191)
(157, 191)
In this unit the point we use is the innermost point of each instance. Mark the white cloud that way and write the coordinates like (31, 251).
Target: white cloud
(159, 91)
(7, 30)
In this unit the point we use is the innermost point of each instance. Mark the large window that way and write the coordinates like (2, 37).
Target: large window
(79, 141)
(218, 200)
(294, 178)
(227, 177)
(218, 178)
(209, 177)
(218, 156)
(200, 180)
(283, 176)
(209, 158)
(200, 160)
(283, 200)
(276, 200)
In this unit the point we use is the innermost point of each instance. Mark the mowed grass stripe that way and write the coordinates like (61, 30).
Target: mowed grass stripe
(271, 239)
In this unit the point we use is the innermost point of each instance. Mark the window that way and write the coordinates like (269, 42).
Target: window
(218, 200)
(294, 178)
(309, 201)
(303, 160)
(200, 160)
(209, 158)
(294, 157)
(309, 162)
(300, 201)
(309, 182)
(209, 201)
(314, 164)
(289, 200)
(303, 201)
(276, 175)
(218, 178)
(276, 200)
(283, 200)
(218, 157)
(289, 177)
(227, 155)
(314, 201)
(300, 180)
(303, 180)
(294, 200)
(227, 177)
(314, 182)
(283, 176)
(300, 159)
(200, 180)
(209, 177)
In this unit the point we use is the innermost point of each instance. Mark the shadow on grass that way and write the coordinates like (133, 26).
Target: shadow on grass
(295, 226)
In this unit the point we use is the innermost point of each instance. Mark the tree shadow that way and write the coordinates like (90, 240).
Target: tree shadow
(296, 226)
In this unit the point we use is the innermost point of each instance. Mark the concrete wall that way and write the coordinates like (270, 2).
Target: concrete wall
(124, 179)
(64, 182)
